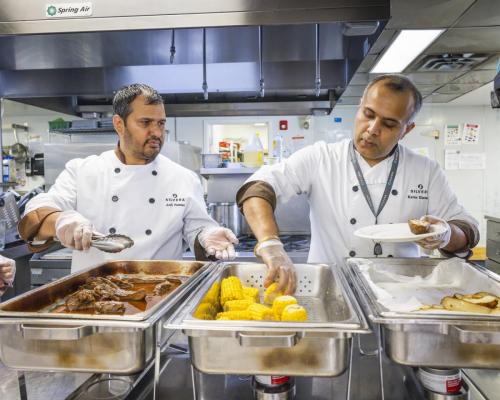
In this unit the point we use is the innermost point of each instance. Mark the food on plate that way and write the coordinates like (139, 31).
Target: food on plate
(418, 226)
(480, 302)
(230, 289)
(294, 312)
(230, 300)
(280, 303)
(271, 293)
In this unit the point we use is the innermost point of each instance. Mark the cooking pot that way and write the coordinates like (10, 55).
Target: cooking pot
(228, 215)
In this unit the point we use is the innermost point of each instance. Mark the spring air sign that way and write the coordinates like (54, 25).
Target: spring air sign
(65, 10)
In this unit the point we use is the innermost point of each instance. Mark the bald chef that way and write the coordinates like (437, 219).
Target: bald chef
(132, 190)
(371, 179)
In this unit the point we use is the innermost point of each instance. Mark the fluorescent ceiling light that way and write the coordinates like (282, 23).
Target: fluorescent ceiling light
(407, 46)
(260, 124)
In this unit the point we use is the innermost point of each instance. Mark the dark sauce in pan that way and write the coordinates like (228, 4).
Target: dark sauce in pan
(131, 307)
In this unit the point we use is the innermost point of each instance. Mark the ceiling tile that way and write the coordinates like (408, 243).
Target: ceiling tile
(348, 101)
(354, 91)
(476, 76)
(441, 98)
(454, 88)
(480, 14)
(467, 40)
(408, 14)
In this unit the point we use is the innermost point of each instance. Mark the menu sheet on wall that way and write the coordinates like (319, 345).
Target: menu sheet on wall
(470, 134)
(452, 135)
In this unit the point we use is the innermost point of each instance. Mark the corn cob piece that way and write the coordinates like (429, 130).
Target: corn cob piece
(233, 315)
(280, 303)
(237, 305)
(271, 293)
(212, 295)
(259, 312)
(251, 293)
(231, 289)
(294, 312)
(205, 311)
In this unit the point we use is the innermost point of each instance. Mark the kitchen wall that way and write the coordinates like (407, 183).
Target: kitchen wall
(478, 190)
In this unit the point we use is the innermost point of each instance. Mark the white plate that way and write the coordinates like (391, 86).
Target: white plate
(395, 233)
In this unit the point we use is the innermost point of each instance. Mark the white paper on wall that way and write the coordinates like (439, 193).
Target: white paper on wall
(451, 159)
(470, 134)
(452, 135)
(472, 161)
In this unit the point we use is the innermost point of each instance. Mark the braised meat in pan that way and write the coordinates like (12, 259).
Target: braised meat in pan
(109, 307)
(162, 288)
(81, 299)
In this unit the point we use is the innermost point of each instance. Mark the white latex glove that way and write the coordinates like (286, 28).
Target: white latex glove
(7, 273)
(218, 241)
(74, 230)
(438, 241)
(277, 261)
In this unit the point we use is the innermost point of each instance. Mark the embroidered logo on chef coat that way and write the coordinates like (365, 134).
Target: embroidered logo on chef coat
(418, 192)
(175, 200)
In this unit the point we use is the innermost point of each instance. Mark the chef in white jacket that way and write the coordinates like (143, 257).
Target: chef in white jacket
(369, 179)
(132, 190)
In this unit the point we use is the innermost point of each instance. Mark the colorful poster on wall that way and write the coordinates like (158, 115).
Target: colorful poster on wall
(471, 134)
(452, 135)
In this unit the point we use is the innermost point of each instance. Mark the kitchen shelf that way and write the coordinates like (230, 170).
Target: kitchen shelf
(93, 131)
(227, 171)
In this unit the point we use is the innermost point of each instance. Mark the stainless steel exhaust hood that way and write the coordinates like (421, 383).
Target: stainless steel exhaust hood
(76, 64)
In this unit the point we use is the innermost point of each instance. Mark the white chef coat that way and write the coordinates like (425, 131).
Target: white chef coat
(337, 204)
(158, 205)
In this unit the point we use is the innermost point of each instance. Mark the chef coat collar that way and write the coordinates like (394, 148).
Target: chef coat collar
(121, 156)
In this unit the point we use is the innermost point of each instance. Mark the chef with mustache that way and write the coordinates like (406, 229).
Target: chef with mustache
(132, 190)
(369, 179)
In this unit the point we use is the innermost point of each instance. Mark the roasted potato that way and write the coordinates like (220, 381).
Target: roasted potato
(481, 298)
(418, 227)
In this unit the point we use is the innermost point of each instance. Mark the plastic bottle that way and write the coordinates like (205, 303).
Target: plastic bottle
(278, 147)
(8, 169)
(253, 156)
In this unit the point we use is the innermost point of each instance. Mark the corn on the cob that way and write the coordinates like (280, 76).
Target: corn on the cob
(234, 315)
(251, 293)
(237, 305)
(205, 311)
(231, 289)
(271, 293)
(294, 312)
(280, 303)
(212, 295)
(259, 312)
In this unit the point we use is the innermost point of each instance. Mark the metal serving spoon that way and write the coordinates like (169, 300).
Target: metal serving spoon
(112, 243)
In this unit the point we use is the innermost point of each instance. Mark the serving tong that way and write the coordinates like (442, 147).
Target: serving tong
(112, 243)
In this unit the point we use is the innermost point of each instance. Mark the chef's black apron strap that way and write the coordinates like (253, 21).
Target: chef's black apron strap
(364, 187)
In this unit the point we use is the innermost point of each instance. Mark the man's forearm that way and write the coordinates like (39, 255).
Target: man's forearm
(458, 240)
(39, 224)
(259, 215)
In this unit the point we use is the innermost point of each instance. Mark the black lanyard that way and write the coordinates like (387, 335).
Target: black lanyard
(364, 187)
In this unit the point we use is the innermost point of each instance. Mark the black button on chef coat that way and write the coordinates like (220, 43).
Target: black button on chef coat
(114, 198)
(151, 200)
(394, 192)
(148, 231)
(355, 188)
(117, 170)
(112, 230)
(352, 253)
(154, 172)
(353, 221)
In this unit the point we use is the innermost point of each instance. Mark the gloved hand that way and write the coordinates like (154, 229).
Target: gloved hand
(74, 230)
(437, 241)
(277, 261)
(7, 273)
(218, 241)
